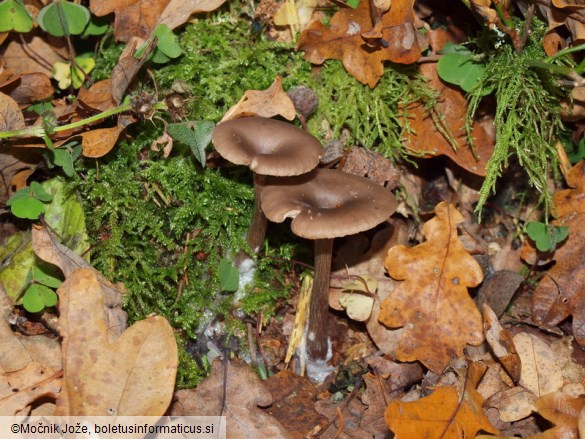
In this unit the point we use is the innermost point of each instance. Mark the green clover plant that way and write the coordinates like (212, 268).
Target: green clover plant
(29, 202)
(546, 236)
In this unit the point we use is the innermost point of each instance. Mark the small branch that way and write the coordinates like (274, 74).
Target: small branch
(526, 31)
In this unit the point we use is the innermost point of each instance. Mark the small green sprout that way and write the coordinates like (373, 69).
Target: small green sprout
(167, 46)
(195, 134)
(546, 236)
(29, 202)
(461, 67)
(40, 293)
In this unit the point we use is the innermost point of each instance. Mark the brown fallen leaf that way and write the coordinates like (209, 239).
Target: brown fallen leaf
(452, 107)
(564, 411)
(127, 67)
(512, 404)
(540, 373)
(28, 88)
(98, 142)
(366, 163)
(561, 292)
(344, 40)
(264, 103)
(293, 402)
(432, 304)
(501, 343)
(244, 394)
(21, 59)
(140, 17)
(562, 16)
(29, 366)
(98, 97)
(11, 117)
(441, 415)
(20, 389)
(134, 375)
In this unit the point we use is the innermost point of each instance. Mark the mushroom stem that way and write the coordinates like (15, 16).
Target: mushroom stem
(257, 230)
(317, 328)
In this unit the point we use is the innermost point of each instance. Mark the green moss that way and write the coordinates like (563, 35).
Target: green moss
(222, 60)
(374, 117)
(527, 117)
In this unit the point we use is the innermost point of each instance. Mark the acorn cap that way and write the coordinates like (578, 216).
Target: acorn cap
(267, 146)
(327, 203)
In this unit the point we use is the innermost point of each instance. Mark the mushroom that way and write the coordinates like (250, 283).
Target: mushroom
(325, 204)
(268, 147)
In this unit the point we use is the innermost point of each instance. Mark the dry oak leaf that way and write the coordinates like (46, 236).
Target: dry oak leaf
(20, 56)
(244, 394)
(564, 411)
(562, 292)
(501, 343)
(540, 371)
(344, 40)
(46, 247)
(441, 415)
(263, 103)
(21, 388)
(11, 117)
(97, 143)
(131, 376)
(452, 107)
(559, 14)
(27, 373)
(432, 305)
(98, 97)
(28, 88)
(140, 17)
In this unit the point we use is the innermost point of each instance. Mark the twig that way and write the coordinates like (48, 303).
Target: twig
(526, 32)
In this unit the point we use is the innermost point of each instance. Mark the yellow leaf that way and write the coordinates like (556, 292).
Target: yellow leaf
(62, 73)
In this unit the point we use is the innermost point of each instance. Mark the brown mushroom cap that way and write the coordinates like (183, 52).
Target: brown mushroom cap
(326, 203)
(267, 146)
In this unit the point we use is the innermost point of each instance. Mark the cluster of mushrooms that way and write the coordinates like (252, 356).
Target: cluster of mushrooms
(323, 203)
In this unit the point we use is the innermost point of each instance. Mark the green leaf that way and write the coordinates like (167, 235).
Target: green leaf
(166, 48)
(546, 236)
(167, 41)
(37, 297)
(41, 275)
(65, 156)
(84, 64)
(66, 217)
(97, 26)
(196, 134)
(352, 3)
(229, 277)
(21, 193)
(462, 70)
(27, 208)
(62, 18)
(14, 16)
(40, 193)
